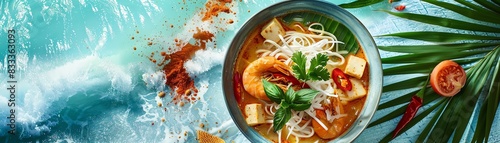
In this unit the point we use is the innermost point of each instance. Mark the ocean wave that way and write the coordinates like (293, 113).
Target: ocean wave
(41, 95)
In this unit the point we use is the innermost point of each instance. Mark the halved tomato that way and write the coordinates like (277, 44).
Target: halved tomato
(447, 78)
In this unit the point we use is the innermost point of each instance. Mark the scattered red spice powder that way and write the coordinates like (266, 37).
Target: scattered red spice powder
(214, 8)
(177, 77)
(172, 64)
(203, 35)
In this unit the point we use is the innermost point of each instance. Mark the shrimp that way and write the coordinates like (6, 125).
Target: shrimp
(335, 128)
(252, 76)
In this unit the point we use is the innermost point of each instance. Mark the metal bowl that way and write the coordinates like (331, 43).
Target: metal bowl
(296, 6)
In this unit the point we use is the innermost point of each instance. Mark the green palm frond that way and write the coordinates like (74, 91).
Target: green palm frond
(479, 54)
(455, 47)
(445, 22)
(430, 57)
(360, 3)
(431, 36)
(486, 120)
(423, 67)
(478, 8)
(405, 84)
(489, 5)
(470, 13)
(429, 97)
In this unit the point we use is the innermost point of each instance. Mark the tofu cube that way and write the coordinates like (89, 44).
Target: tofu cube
(343, 96)
(358, 91)
(255, 114)
(272, 30)
(355, 67)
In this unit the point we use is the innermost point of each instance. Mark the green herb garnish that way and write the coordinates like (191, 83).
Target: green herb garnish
(291, 100)
(316, 71)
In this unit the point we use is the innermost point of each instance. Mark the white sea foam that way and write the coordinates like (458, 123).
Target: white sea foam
(204, 60)
(202, 90)
(149, 107)
(65, 140)
(182, 121)
(155, 80)
(22, 60)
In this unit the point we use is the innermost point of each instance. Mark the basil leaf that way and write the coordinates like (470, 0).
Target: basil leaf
(281, 117)
(284, 104)
(300, 107)
(273, 92)
(317, 70)
(290, 95)
(304, 96)
(299, 68)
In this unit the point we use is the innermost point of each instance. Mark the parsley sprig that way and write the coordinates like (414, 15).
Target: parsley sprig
(291, 100)
(316, 71)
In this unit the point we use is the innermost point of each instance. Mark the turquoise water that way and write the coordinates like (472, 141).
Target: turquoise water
(79, 79)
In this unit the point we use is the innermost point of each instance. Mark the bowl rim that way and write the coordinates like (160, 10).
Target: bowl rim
(329, 10)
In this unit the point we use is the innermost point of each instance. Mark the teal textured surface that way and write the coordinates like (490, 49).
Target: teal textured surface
(79, 78)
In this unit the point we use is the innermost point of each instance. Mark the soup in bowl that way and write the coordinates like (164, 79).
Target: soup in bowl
(304, 71)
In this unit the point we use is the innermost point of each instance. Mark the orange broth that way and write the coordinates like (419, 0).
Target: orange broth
(248, 54)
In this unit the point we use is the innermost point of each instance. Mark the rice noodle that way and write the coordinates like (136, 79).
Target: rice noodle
(313, 115)
(279, 136)
(330, 117)
(294, 127)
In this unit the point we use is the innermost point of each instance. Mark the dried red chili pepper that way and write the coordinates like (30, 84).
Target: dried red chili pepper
(337, 76)
(237, 86)
(411, 110)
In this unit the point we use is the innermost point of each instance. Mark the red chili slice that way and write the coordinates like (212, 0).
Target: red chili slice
(237, 86)
(337, 76)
